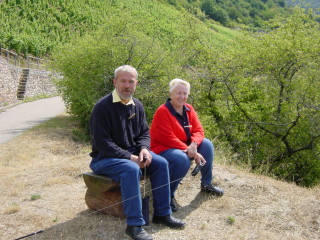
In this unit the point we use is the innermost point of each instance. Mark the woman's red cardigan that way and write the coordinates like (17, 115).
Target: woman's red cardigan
(166, 132)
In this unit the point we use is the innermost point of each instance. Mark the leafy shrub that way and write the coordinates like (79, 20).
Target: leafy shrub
(88, 67)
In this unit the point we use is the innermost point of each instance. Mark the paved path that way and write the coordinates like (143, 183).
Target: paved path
(15, 120)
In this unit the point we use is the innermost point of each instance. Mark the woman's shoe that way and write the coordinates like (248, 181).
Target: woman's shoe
(211, 189)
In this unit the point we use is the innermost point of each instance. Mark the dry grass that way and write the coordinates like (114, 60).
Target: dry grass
(42, 188)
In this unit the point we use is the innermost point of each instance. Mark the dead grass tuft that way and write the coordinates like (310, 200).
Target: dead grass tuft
(13, 208)
(47, 162)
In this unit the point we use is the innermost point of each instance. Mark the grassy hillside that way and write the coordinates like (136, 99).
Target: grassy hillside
(38, 27)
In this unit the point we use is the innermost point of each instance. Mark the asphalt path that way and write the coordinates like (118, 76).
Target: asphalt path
(16, 120)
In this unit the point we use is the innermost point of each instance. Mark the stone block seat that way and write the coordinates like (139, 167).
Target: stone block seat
(103, 194)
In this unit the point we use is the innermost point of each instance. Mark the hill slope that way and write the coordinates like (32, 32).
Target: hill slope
(38, 27)
(42, 188)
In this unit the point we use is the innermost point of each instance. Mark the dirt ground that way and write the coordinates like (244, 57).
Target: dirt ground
(42, 189)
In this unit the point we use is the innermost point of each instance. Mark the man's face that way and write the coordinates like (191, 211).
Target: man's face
(126, 84)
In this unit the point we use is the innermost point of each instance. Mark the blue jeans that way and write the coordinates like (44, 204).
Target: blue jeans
(128, 174)
(179, 164)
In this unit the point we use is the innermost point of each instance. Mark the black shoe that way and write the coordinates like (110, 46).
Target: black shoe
(214, 190)
(169, 221)
(173, 205)
(137, 233)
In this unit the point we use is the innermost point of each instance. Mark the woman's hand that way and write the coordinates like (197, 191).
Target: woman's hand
(199, 159)
(191, 150)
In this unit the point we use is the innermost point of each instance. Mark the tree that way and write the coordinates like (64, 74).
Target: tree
(215, 12)
(264, 98)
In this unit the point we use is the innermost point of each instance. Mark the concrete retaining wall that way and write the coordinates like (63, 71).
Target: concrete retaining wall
(39, 83)
(9, 80)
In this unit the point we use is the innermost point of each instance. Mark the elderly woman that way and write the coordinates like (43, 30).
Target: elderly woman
(177, 135)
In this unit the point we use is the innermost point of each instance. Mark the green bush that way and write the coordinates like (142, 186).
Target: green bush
(88, 64)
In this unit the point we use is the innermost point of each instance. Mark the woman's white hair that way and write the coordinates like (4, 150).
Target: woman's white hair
(175, 82)
(125, 68)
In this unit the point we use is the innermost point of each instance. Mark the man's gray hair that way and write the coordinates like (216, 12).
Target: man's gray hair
(175, 82)
(125, 68)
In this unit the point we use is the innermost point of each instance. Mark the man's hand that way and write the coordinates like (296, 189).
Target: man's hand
(144, 159)
(135, 158)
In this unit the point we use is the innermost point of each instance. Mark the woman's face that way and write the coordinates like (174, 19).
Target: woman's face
(179, 96)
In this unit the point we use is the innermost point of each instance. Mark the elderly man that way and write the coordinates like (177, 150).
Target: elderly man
(120, 149)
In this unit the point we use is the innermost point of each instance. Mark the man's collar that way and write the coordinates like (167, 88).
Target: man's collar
(116, 98)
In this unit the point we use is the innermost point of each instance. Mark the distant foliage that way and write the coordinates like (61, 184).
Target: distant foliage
(233, 13)
(215, 12)
(307, 4)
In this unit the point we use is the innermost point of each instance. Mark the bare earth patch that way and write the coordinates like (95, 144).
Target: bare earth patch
(42, 189)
